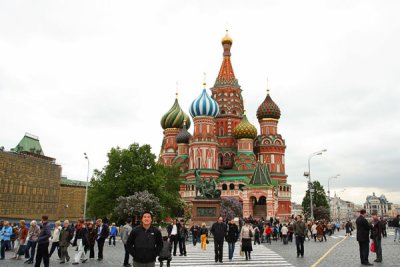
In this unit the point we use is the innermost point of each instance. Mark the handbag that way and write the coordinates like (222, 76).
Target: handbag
(372, 248)
(241, 251)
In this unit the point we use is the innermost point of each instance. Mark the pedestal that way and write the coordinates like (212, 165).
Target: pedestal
(205, 210)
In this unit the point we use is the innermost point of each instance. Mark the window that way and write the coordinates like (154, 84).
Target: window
(231, 187)
(224, 187)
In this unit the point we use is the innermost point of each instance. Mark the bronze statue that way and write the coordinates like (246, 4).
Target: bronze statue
(206, 188)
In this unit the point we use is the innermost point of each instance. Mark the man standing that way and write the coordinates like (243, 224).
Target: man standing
(145, 242)
(396, 225)
(173, 234)
(195, 233)
(183, 232)
(65, 238)
(43, 243)
(218, 230)
(363, 230)
(5, 236)
(232, 237)
(126, 231)
(377, 232)
(300, 231)
(102, 234)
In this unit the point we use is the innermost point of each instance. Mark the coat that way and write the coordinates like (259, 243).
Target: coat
(233, 233)
(363, 229)
(218, 230)
(65, 237)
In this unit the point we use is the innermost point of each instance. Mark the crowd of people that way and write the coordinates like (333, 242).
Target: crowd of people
(145, 242)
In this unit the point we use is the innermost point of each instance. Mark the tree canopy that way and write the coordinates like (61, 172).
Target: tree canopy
(319, 201)
(231, 208)
(129, 171)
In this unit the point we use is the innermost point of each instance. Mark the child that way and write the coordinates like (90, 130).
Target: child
(165, 253)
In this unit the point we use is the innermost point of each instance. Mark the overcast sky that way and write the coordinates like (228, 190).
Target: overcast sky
(86, 76)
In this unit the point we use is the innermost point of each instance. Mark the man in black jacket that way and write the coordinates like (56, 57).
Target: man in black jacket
(145, 242)
(43, 243)
(102, 234)
(218, 230)
(363, 234)
(377, 232)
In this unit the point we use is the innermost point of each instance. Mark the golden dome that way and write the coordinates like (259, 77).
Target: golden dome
(227, 39)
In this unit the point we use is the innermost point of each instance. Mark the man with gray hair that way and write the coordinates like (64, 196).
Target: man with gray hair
(66, 236)
(33, 235)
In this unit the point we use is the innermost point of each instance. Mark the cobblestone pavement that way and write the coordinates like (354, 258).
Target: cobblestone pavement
(344, 254)
(277, 254)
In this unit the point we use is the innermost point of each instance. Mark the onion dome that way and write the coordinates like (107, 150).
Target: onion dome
(245, 129)
(204, 105)
(227, 39)
(175, 117)
(183, 136)
(268, 109)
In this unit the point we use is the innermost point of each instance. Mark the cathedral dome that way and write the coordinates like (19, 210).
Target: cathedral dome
(245, 129)
(227, 39)
(175, 117)
(268, 109)
(183, 136)
(204, 105)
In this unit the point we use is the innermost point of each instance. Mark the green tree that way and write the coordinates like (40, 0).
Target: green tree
(231, 208)
(133, 170)
(319, 201)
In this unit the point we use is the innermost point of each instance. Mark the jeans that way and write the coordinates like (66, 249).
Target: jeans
(182, 246)
(397, 233)
(231, 249)
(100, 246)
(173, 239)
(300, 245)
(3, 248)
(126, 258)
(364, 251)
(195, 239)
(378, 248)
(32, 246)
(109, 240)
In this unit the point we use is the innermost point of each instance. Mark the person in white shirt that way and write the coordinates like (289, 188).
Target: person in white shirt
(284, 232)
(55, 240)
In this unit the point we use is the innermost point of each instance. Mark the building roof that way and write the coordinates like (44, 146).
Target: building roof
(261, 175)
(29, 143)
(66, 181)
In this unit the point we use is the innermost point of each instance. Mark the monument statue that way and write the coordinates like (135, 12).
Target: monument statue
(206, 188)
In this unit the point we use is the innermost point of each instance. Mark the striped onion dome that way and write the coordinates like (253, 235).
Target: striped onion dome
(175, 117)
(204, 105)
(183, 136)
(245, 129)
(268, 109)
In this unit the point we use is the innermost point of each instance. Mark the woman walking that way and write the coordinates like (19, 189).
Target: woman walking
(55, 240)
(245, 236)
(23, 234)
(33, 234)
(203, 236)
(81, 237)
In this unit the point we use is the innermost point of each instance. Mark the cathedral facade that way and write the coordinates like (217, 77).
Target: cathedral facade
(226, 147)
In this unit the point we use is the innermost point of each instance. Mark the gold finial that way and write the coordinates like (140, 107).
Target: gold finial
(176, 93)
(204, 81)
(227, 39)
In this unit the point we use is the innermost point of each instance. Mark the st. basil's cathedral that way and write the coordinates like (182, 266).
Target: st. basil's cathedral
(225, 147)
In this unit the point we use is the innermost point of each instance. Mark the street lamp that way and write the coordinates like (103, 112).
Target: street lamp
(309, 178)
(87, 184)
(329, 192)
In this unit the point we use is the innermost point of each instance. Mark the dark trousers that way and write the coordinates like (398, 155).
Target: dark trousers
(364, 251)
(42, 253)
(300, 245)
(378, 248)
(182, 246)
(174, 241)
(3, 248)
(64, 254)
(109, 240)
(126, 258)
(218, 249)
(194, 239)
(162, 262)
(54, 246)
(100, 246)
(32, 246)
(91, 249)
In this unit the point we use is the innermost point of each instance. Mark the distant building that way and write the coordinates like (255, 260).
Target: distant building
(31, 185)
(342, 210)
(297, 209)
(380, 205)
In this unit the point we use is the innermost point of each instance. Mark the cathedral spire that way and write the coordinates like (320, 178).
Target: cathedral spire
(226, 74)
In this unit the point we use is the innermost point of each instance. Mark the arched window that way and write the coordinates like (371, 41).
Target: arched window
(192, 187)
(231, 187)
(224, 187)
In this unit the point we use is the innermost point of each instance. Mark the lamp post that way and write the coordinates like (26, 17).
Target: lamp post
(309, 179)
(329, 192)
(87, 184)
